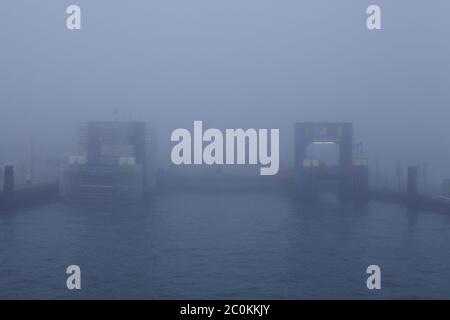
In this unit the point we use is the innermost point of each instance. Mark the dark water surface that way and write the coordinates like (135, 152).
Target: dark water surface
(224, 246)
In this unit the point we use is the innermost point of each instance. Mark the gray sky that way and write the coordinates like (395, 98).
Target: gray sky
(234, 63)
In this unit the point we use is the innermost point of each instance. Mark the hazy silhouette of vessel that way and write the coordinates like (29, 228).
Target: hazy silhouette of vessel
(115, 163)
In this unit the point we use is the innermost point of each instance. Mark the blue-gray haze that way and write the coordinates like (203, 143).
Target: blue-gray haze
(231, 64)
(234, 63)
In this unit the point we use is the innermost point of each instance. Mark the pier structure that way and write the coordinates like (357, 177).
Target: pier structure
(12, 197)
(7, 196)
(117, 162)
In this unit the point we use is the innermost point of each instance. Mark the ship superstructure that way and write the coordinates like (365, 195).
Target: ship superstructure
(115, 163)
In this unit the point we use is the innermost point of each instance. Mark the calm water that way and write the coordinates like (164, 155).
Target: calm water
(225, 246)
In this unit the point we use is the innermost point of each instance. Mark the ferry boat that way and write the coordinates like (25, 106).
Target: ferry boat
(115, 163)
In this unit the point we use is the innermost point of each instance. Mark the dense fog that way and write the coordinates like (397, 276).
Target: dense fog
(231, 64)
